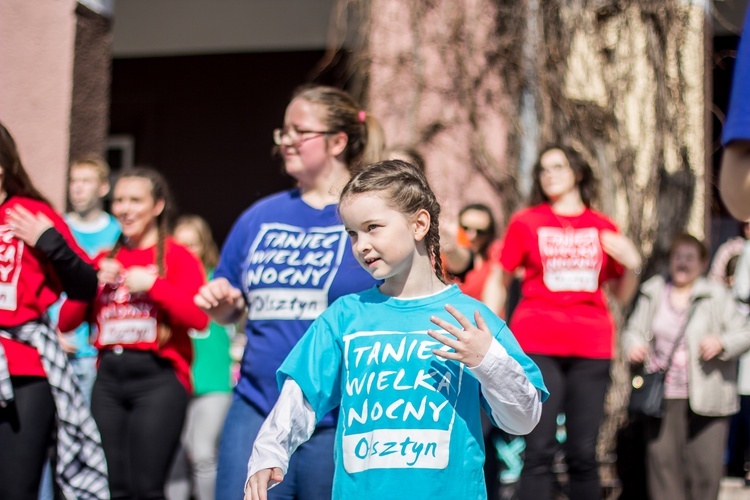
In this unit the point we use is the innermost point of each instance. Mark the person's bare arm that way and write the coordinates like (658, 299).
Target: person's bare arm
(734, 179)
(495, 291)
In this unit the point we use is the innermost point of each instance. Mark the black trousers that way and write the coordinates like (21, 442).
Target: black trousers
(26, 426)
(139, 406)
(577, 387)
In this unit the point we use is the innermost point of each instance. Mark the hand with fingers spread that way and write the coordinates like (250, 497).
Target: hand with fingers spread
(470, 344)
(257, 486)
(26, 226)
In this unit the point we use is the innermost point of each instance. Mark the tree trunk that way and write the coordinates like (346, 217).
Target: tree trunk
(479, 86)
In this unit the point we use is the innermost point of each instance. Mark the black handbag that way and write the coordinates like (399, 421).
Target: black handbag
(647, 395)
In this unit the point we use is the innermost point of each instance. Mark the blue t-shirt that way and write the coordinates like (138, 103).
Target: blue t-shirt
(737, 125)
(291, 261)
(92, 237)
(409, 423)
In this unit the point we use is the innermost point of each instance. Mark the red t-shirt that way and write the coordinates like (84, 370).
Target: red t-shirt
(472, 283)
(132, 321)
(28, 284)
(563, 310)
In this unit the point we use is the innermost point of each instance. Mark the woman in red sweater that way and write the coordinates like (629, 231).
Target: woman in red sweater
(143, 312)
(39, 259)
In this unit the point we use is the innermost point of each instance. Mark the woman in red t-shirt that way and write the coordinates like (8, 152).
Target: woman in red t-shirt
(39, 259)
(143, 312)
(569, 252)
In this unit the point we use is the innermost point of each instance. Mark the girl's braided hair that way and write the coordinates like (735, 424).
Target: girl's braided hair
(406, 189)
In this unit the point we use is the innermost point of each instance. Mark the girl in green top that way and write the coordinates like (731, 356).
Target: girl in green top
(194, 471)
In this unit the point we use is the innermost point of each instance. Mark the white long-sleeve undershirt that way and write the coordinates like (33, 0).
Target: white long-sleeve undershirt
(515, 403)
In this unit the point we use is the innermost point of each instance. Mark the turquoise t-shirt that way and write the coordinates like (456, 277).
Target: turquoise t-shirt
(92, 237)
(409, 423)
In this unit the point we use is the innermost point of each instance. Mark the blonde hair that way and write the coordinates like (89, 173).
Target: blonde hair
(405, 188)
(93, 161)
(210, 254)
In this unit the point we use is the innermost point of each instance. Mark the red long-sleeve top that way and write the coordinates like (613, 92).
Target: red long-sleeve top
(132, 321)
(28, 283)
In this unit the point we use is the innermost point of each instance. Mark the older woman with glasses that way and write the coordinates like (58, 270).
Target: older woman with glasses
(286, 259)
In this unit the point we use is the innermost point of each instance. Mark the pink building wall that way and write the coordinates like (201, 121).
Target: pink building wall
(36, 79)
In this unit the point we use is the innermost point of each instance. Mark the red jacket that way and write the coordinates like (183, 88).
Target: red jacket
(28, 283)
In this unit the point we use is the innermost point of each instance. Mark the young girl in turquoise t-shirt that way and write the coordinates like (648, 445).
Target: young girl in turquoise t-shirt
(404, 362)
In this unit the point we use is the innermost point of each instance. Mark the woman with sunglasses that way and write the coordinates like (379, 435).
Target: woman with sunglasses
(286, 259)
(471, 260)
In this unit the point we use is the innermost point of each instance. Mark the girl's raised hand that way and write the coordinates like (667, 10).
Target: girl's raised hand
(26, 226)
(257, 486)
(470, 344)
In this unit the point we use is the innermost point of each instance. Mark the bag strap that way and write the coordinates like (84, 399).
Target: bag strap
(693, 306)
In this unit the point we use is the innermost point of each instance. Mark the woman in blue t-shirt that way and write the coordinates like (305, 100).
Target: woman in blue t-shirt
(285, 260)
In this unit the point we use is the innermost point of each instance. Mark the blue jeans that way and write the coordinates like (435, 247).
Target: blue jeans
(310, 474)
(85, 370)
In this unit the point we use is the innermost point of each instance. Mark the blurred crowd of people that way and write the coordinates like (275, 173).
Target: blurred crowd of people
(117, 330)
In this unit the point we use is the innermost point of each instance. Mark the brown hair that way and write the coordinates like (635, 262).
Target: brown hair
(93, 161)
(159, 192)
(585, 180)
(15, 179)
(365, 136)
(406, 189)
(491, 230)
(689, 239)
(210, 254)
(408, 154)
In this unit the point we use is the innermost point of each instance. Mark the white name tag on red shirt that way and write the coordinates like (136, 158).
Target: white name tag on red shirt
(128, 331)
(8, 296)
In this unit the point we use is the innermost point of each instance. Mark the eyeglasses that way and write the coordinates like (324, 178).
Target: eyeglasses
(555, 168)
(480, 232)
(296, 137)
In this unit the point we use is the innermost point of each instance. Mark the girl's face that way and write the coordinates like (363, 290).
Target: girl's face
(384, 241)
(305, 145)
(476, 225)
(557, 178)
(685, 265)
(187, 236)
(134, 206)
